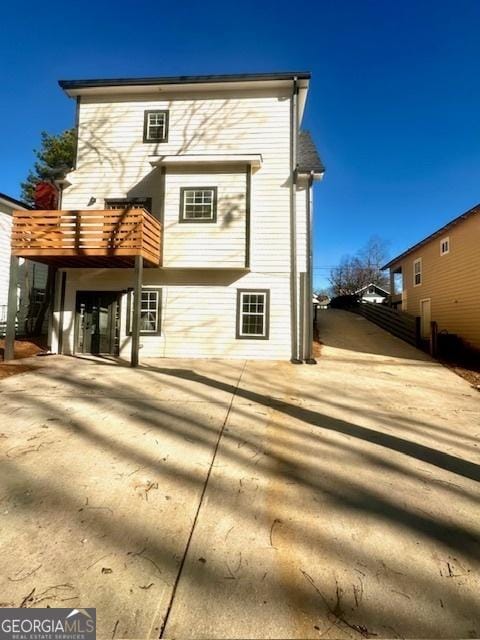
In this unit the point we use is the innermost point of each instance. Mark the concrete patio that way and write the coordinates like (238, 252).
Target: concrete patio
(225, 499)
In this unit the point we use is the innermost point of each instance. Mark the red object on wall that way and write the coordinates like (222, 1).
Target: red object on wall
(46, 196)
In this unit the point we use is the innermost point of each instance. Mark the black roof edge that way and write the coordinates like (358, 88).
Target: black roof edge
(435, 234)
(234, 77)
(24, 205)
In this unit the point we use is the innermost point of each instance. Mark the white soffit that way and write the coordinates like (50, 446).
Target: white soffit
(253, 159)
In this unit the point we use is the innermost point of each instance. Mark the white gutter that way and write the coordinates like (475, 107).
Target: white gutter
(293, 223)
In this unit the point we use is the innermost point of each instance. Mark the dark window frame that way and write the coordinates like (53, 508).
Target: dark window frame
(211, 220)
(145, 126)
(266, 315)
(159, 292)
(129, 203)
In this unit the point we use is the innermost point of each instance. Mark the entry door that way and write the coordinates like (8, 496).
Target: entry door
(97, 322)
(426, 317)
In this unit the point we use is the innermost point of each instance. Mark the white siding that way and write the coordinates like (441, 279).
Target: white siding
(198, 312)
(203, 244)
(113, 160)
(199, 307)
(5, 234)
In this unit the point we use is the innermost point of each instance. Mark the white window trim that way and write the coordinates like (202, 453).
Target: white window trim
(266, 314)
(158, 312)
(160, 125)
(415, 262)
(442, 241)
(149, 116)
(211, 217)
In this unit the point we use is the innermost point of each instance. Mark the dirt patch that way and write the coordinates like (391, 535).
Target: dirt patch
(471, 375)
(317, 348)
(23, 349)
(7, 370)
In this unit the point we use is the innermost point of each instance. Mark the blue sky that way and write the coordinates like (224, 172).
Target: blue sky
(394, 104)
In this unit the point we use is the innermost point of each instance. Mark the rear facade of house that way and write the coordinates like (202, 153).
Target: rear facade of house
(440, 279)
(220, 177)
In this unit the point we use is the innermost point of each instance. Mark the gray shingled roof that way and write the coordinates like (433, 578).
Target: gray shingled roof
(307, 155)
(13, 201)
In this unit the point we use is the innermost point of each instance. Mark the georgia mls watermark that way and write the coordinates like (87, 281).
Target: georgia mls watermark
(48, 624)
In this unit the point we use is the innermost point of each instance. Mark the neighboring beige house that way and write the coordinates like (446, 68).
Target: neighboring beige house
(441, 278)
(207, 182)
(32, 276)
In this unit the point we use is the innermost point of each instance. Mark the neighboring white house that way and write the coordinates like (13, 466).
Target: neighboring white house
(321, 301)
(32, 276)
(372, 293)
(221, 163)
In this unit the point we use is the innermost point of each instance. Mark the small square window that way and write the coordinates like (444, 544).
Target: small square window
(253, 314)
(150, 312)
(155, 126)
(417, 272)
(444, 246)
(198, 204)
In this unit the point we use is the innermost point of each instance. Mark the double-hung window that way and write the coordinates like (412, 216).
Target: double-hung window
(444, 246)
(150, 312)
(198, 204)
(155, 126)
(253, 314)
(417, 272)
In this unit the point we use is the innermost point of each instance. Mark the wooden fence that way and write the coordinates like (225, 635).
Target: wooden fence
(399, 323)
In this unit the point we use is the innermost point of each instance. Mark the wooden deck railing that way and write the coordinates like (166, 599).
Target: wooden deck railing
(112, 237)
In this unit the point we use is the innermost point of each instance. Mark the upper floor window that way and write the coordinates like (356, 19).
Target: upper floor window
(444, 246)
(252, 314)
(155, 126)
(129, 203)
(198, 204)
(417, 272)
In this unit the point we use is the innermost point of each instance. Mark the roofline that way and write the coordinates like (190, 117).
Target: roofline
(14, 201)
(432, 236)
(67, 85)
(372, 284)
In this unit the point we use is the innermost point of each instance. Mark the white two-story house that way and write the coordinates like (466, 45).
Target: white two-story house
(197, 192)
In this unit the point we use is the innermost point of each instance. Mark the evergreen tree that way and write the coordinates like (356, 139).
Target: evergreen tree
(55, 158)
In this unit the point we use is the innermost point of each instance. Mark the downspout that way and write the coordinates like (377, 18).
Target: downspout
(293, 222)
(309, 359)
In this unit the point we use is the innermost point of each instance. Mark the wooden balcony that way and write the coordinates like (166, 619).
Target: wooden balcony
(103, 238)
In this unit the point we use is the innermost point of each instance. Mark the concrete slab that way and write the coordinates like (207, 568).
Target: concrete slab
(100, 483)
(342, 500)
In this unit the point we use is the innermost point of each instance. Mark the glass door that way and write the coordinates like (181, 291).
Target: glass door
(97, 322)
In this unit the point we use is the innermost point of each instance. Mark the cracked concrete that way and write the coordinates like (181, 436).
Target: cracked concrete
(342, 499)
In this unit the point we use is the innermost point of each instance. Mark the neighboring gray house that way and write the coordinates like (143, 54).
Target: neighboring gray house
(32, 275)
(372, 293)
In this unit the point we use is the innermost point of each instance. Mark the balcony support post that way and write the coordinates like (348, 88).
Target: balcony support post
(137, 304)
(9, 353)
